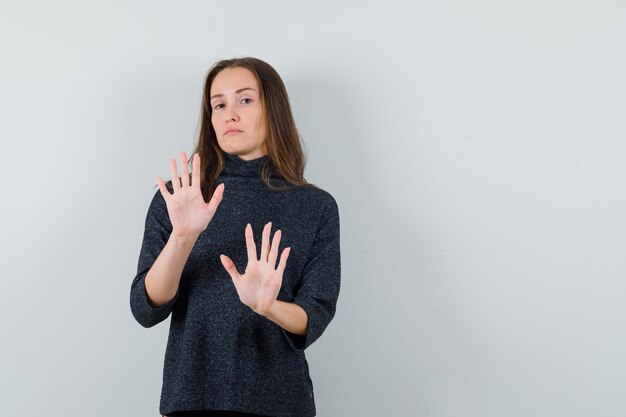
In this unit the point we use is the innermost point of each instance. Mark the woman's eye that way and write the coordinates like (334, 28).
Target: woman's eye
(217, 106)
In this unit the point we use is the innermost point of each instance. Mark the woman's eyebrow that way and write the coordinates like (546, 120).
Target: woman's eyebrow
(236, 92)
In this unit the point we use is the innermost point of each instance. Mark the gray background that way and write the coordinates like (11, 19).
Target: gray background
(475, 150)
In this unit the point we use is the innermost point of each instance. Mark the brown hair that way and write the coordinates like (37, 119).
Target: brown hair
(283, 145)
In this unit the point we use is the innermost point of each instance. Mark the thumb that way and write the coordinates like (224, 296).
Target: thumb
(216, 198)
(230, 267)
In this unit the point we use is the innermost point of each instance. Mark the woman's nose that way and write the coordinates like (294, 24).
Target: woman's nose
(232, 116)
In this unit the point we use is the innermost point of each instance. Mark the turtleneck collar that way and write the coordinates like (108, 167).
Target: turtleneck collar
(234, 165)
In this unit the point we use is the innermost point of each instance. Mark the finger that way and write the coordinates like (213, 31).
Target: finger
(274, 249)
(230, 267)
(184, 169)
(164, 192)
(174, 175)
(216, 198)
(195, 170)
(283, 261)
(250, 245)
(265, 245)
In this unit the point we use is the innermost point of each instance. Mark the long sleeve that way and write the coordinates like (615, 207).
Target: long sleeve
(157, 231)
(321, 279)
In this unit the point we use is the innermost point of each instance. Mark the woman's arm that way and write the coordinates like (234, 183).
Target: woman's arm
(289, 316)
(164, 277)
(189, 216)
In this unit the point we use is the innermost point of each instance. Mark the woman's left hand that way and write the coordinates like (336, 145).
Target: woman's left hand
(258, 287)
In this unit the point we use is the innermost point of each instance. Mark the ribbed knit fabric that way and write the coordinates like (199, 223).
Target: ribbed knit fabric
(220, 354)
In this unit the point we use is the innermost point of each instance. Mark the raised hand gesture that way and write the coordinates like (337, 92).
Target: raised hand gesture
(258, 287)
(188, 212)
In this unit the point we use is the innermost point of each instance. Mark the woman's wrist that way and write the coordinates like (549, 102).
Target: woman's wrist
(184, 238)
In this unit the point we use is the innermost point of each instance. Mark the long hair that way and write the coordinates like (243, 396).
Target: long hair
(282, 141)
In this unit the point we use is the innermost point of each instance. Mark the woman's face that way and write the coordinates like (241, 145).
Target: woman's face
(237, 116)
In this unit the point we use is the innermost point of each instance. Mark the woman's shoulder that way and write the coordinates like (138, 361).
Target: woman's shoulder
(314, 194)
(313, 203)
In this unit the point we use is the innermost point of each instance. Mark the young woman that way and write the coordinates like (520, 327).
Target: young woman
(244, 304)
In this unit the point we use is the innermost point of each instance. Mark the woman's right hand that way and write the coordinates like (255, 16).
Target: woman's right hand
(188, 212)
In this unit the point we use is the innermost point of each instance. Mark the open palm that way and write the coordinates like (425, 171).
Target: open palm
(188, 212)
(258, 287)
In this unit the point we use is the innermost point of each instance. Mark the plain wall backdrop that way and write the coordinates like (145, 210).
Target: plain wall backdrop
(475, 149)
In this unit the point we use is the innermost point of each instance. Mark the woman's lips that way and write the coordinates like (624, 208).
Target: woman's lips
(233, 132)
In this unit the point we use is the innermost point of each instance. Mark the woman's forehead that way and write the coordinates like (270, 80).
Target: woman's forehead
(233, 81)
